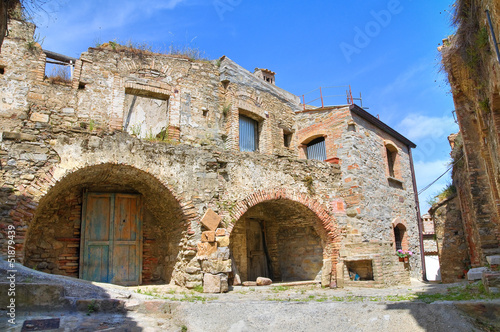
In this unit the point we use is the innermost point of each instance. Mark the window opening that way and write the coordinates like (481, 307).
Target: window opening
(249, 129)
(287, 138)
(391, 158)
(398, 236)
(316, 149)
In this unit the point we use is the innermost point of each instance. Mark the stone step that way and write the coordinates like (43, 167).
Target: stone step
(49, 297)
(33, 296)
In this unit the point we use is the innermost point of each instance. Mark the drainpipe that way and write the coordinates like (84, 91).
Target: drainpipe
(419, 219)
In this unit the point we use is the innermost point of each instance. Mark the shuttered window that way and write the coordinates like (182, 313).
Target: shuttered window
(316, 149)
(249, 130)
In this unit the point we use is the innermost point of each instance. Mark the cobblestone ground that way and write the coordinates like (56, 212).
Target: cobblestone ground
(272, 308)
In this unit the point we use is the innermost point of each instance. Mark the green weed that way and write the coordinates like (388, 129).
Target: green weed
(92, 307)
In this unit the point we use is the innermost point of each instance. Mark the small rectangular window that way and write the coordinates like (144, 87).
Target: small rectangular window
(2, 70)
(249, 134)
(57, 73)
(287, 138)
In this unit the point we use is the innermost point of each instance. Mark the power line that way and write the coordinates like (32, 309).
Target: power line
(430, 185)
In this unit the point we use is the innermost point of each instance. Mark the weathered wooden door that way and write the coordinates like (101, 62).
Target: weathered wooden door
(111, 238)
(257, 260)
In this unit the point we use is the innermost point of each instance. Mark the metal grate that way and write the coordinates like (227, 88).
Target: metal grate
(316, 149)
(398, 237)
(248, 134)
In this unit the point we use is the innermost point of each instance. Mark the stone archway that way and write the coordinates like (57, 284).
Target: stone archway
(53, 241)
(284, 237)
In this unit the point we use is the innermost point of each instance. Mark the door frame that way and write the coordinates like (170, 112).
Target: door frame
(83, 230)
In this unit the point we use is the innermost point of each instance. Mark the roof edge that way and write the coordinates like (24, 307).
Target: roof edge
(379, 124)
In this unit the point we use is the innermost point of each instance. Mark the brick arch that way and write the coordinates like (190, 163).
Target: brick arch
(401, 226)
(327, 220)
(42, 189)
(326, 225)
(313, 137)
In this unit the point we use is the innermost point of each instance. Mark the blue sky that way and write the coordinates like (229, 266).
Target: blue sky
(386, 50)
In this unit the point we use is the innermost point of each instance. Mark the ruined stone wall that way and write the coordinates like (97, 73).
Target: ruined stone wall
(473, 69)
(274, 109)
(61, 140)
(452, 248)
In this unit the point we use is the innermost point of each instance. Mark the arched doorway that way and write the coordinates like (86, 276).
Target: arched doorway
(280, 239)
(107, 223)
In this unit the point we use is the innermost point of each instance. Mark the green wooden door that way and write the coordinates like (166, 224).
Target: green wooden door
(111, 238)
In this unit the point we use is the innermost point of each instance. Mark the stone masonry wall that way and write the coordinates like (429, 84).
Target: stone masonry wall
(454, 260)
(370, 194)
(473, 69)
(61, 140)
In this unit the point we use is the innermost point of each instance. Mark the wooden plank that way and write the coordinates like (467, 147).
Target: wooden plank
(257, 261)
(126, 240)
(97, 236)
(112, 238)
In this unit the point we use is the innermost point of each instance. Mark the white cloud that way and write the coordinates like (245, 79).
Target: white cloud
(417, 126)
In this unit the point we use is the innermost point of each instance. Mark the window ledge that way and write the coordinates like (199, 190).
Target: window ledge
(395, 181)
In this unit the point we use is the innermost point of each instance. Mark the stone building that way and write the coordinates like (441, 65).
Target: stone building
(149, 168)
(472, 60)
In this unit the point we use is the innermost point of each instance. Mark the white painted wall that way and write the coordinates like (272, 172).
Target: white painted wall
(433, 272)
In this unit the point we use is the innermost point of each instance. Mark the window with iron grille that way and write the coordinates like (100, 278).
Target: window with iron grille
(398, 237)
(249, 134)
(316, 149)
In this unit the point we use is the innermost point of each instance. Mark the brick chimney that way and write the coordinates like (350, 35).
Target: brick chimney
(266, 74)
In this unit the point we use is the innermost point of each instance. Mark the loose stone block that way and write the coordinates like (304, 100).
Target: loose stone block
(491, 281)
(211, 283)
(236, 280)
(261, 281)
(208, 236)
(222, 241)
(223, 253)
(206, 249)
(220, 232)
(475, 274)
(193, 284)
(39, 117)
(216, 266)
(326, 273)
(224, 285)
(340, 275)
(249, 283)
(211, 220)
(493, 260)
